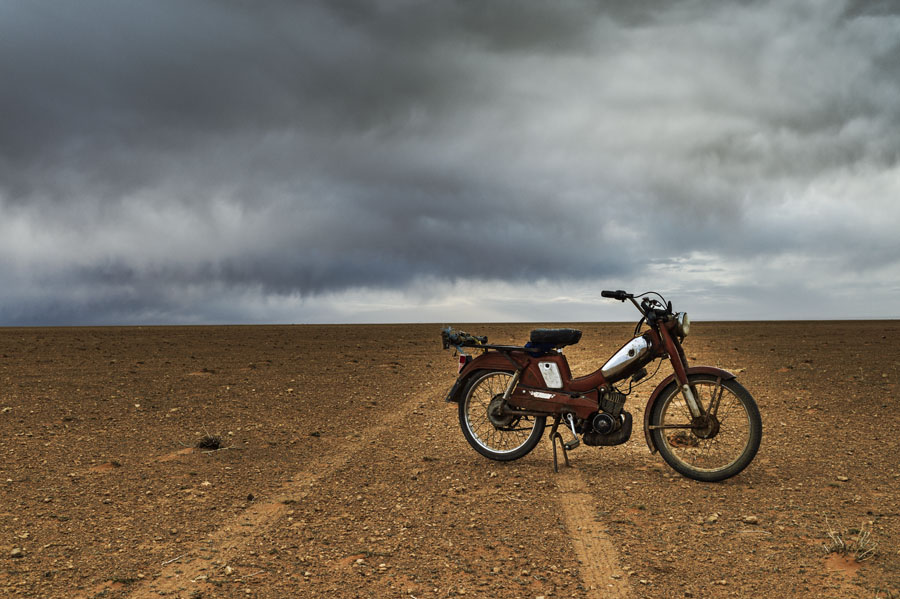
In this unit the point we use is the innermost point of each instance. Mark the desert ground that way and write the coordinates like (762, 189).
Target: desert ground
(341, 472)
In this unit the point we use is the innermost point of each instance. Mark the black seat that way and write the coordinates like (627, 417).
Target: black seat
(555, 337)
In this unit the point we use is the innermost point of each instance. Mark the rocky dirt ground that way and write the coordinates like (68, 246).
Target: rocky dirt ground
(342, 472)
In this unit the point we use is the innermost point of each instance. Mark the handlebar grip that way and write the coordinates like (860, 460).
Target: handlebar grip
(620, 294)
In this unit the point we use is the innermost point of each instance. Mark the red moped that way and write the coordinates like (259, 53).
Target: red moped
(703, 422)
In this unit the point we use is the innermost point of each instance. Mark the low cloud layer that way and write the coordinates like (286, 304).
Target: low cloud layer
(357, 161)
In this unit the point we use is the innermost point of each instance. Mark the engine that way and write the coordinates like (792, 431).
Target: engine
(611, 425)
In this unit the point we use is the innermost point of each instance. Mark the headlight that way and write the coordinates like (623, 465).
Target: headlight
(682, 324)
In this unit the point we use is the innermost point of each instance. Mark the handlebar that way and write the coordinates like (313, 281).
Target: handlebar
(650, 308)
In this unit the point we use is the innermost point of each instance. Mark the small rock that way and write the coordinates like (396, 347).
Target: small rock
(722, 582)
(751, 520)
(644, 581)
(713, 519)
(16, 552)
(206, 483)
(228, 570)
(843, 479)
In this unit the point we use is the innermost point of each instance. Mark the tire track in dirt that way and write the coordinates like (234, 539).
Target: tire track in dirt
(189, 572)
(600, 569)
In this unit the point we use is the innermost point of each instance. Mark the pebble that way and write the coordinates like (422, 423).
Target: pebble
(713, 518)
(843, 479)
(16, 552)
(751, 520)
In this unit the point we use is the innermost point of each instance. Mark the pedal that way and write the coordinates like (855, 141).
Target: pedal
(569, 445)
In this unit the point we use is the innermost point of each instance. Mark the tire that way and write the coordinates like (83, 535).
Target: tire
(710, 453)
(504, 438)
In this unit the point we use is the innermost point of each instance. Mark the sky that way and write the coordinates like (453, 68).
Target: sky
(213, 162)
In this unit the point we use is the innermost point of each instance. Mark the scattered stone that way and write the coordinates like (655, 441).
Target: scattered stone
(17, 552)
(751, 520)
(722, 582)
(713, 518)
(843, 479)
(644, 581)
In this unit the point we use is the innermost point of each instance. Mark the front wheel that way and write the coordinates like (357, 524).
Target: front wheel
(491, 426)
(718, 444)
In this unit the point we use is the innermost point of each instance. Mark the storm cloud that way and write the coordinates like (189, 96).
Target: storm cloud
(380, 161)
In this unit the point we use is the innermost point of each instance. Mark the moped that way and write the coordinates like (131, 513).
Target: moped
(703, 423)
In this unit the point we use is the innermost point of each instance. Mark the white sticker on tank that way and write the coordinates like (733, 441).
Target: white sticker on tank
(550, 372)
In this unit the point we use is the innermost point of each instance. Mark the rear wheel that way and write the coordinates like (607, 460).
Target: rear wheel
(715, 446)
(490, 425)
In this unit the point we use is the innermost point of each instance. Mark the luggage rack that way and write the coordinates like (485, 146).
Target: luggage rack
(460, 339)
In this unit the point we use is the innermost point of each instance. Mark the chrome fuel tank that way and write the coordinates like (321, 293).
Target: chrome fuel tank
(635, 351)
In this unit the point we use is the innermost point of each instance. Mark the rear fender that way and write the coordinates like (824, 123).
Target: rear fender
(486, 361)
(670, 380)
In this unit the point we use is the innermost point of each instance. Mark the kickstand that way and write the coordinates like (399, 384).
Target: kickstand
(554, 436)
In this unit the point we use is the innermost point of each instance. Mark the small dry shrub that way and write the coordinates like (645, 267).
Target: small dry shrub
(856, 543)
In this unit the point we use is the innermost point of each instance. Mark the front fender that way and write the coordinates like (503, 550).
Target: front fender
(486, 361)
(670, 380)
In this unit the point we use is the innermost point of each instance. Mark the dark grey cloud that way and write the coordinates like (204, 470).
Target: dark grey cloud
(228, 161)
